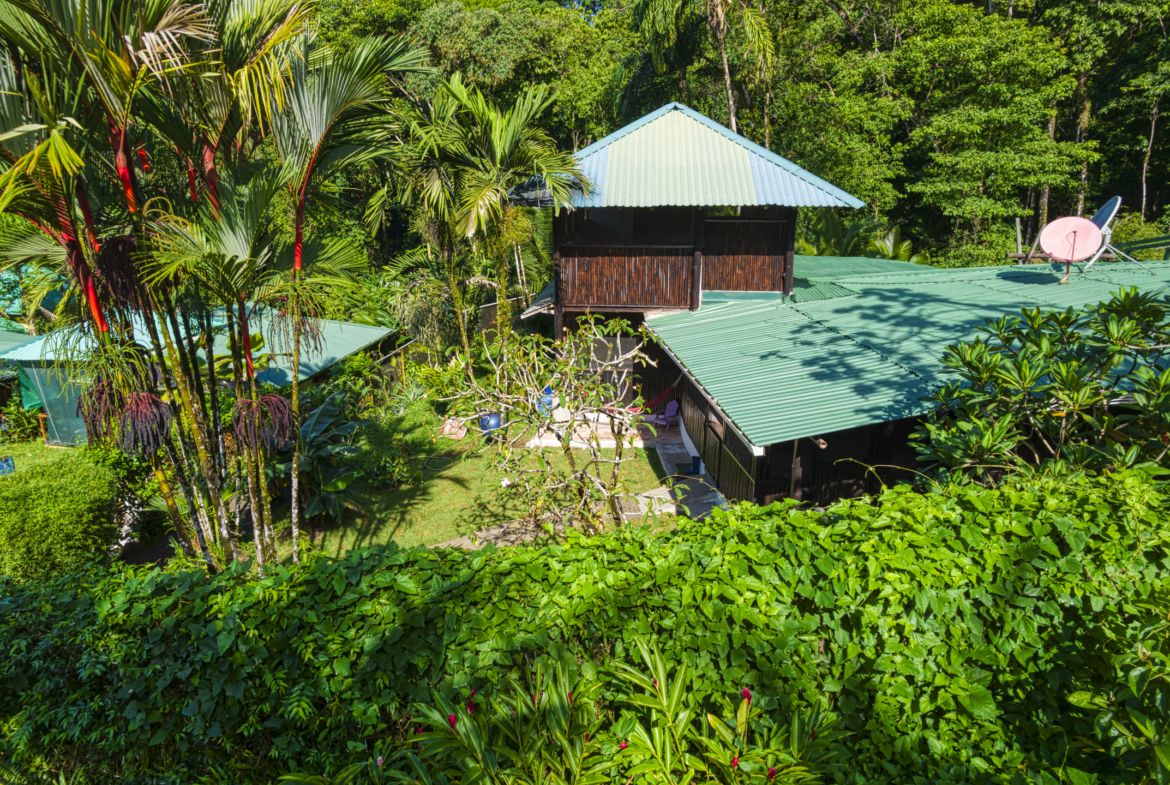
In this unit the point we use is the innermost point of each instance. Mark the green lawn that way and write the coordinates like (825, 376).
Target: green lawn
(458, 495)
(28, 455)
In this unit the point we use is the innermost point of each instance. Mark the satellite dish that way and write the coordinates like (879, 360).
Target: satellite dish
(1103, 216)
(1070, 239)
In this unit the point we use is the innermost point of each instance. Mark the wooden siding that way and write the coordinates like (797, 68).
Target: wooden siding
(625, 276)
(744, 256)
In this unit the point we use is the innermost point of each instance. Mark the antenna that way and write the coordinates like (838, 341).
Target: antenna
(1071, 239)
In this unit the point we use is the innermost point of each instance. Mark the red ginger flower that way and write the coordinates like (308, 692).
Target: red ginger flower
(451, 721)
(747, 695)
(735, 763)
(771, 773)
(623, 745)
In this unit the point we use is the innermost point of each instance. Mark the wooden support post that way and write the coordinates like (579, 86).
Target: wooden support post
(789, 249)
(558, 303)
(697, 270)
(794, 490)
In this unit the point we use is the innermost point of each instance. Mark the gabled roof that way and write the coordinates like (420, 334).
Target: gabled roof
(785, 370)
(676, 156)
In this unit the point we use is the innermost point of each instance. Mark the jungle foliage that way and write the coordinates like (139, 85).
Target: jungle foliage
(948, 118)
(944, 630)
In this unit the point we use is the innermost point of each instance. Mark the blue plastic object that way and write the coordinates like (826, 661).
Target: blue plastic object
(489, 424)
(545, 405)
(7, 465)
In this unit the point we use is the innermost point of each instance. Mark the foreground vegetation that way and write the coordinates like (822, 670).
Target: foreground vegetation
(945, 629)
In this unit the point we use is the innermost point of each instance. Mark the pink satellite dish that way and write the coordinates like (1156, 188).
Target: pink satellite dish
(1070, 239)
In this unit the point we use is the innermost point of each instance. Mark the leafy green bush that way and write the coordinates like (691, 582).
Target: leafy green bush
(945, 629)
(56, 517)
(1090, 388)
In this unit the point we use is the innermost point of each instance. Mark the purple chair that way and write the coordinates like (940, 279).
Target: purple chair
(666, 419)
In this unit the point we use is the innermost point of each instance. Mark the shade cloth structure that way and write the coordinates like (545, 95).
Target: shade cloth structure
(43, 380)
(783, 370)
(677, 156)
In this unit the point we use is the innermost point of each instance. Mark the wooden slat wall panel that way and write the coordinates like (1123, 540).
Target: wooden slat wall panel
(651, 277)
(744, 256)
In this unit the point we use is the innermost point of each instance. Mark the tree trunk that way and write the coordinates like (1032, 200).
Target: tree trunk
(295, 482)
(1149, 150)
(1084, 115)
(1047, 189)
(457, 300)
(721, 35)
(196, 523)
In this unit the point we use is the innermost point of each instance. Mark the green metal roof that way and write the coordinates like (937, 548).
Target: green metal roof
(676, 156)
(783, 370)
(338, 341)
(833, 268)
(10, 340)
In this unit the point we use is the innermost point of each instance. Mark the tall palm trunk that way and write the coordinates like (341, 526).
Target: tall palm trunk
(457, 300)
(717, 21)
(503, 307)
(296, 434)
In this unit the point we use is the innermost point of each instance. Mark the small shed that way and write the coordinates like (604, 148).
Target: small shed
(43, 385)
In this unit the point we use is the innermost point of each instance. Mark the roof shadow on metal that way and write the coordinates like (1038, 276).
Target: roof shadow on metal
(676, 156)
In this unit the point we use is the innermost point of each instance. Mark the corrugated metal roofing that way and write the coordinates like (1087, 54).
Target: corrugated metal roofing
(833, 268)
(10, 340)
(339, 340)
(676, 156)
(544, 301)
(783, 371)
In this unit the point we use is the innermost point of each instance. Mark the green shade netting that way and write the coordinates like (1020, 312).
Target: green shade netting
(38, 382)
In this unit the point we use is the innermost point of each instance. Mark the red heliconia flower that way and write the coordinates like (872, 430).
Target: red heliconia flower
(771, 773)
(735, 763)
(747, 695)
(451, 721)
(623, 745)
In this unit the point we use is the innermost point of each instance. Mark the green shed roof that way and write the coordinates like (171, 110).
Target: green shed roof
(784, 370)
(676, 156)
(10, 340)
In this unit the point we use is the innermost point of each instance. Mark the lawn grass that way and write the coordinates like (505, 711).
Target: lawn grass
(456, 496)
(30, 455)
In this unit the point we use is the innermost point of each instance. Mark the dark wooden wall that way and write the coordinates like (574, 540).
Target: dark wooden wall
(744, 255)
(625, 277)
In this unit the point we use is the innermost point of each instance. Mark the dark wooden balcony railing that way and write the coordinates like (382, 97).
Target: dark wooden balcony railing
(626, 277)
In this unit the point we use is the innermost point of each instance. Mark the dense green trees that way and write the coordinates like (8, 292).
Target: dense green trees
(949, 118)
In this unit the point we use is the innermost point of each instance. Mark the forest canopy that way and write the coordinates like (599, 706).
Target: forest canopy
(948, 119)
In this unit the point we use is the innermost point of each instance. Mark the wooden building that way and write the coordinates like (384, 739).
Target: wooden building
(679, 206)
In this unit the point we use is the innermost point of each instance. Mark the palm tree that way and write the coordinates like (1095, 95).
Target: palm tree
(330, 123)
(662, 21)
(497, 150)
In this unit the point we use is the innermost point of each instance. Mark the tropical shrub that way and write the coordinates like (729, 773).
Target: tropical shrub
(546, 729)
(326, 436)
(1090, 388)
(21, 425)
(56, 517)
(946, 630)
